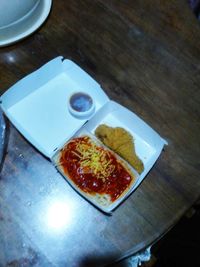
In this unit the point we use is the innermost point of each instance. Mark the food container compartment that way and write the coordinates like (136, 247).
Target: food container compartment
(148, 143)
(101, 201)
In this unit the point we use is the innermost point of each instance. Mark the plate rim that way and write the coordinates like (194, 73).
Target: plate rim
(36, 24)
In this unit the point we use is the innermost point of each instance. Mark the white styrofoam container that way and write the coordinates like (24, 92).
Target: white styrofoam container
(37, 106)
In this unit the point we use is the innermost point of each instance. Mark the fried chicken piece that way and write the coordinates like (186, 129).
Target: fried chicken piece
(120, 141)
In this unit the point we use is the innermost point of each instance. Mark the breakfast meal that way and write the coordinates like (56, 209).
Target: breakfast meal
(95, 170)
(121, 142)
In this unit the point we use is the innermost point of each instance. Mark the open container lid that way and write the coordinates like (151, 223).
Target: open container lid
(37, 104)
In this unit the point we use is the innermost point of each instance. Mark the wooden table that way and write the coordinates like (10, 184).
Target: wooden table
(146, 56)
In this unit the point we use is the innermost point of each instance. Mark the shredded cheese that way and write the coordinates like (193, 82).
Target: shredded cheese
(94, 159)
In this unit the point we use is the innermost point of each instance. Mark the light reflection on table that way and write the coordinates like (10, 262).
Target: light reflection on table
(59, 215)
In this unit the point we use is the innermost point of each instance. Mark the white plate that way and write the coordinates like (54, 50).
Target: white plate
(27, 25)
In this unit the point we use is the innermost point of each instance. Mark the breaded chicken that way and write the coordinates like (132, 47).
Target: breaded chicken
(120, 141)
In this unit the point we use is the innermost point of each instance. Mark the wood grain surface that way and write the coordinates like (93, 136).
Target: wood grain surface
(146, 56)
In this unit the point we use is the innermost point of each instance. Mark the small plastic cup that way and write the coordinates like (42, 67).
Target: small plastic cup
(81, 105)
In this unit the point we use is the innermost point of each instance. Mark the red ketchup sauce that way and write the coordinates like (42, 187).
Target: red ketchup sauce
(114, 185)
